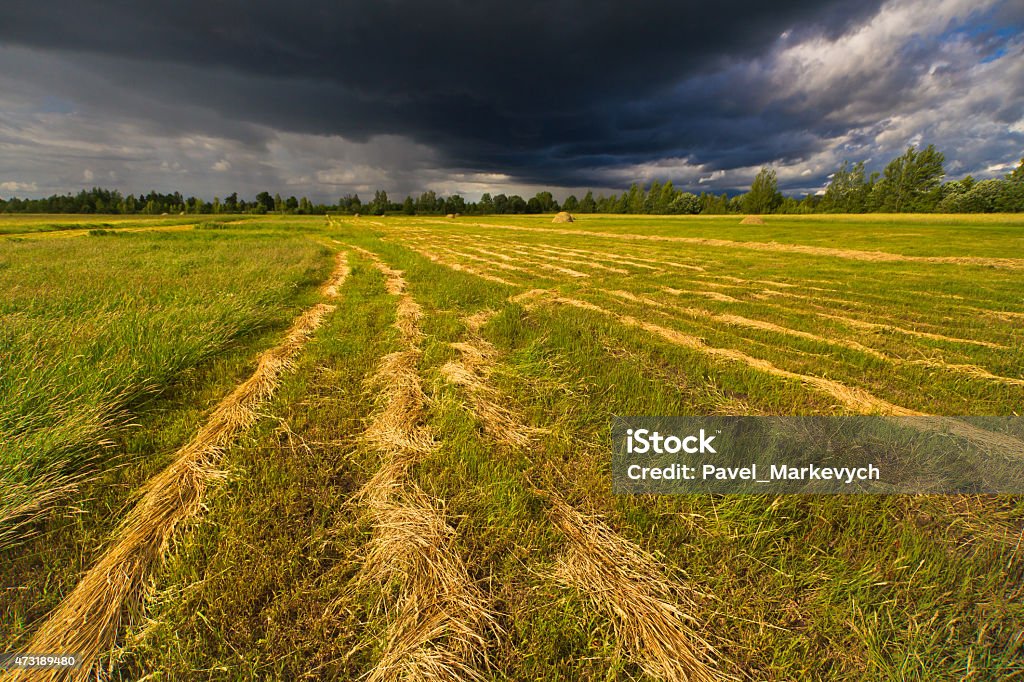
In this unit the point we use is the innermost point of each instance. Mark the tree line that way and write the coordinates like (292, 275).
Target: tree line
(911, 183)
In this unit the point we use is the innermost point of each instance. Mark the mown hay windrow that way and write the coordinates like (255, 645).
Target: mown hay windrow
(88, 620)
(850, 254)
(439, 625)
(480, 259)
(561, 258)
(438, 631)
(856, 399)
(625, 583)
(397, 426)
(459, 267)
(752, 220)
(862, 324)
(619, 578)
(338, 277)
(501, 422)
(520, 259)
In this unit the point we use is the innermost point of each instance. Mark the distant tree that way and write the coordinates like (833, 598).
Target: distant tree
(546, 202)
(809, 204)
(1018, 173)
(987, 196)
(231, 203)
(571, 203)
(500, 204)
(278, 204)
(587, 204)
(427, 203)
(847, 191)
(516, 204)
(379, 205)
(764, 196)
(667, 197)
(486, 204)
(409, 206)
(911, 182)
(712, 204)
(651, 198)
(265, 201)
(634, 200)
(684, 203)
(291, 204)
(455, 204)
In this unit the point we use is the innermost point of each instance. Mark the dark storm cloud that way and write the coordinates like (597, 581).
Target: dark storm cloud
(569, 93)
(537, 89)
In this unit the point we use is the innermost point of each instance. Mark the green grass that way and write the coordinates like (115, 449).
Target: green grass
(18, 224)
(95, 327)
(789, 587)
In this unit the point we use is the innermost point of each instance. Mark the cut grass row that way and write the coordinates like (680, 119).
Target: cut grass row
(799, 608)
(979, 374)
(795, 587)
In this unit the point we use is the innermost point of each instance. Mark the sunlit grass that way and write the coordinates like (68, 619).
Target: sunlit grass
(92, 326)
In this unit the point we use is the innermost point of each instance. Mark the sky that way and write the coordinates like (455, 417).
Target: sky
(324, 98)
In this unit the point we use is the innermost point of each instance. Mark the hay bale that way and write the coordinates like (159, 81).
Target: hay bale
(356, 215)
(450, 215)
(563, 217)
(752, 220)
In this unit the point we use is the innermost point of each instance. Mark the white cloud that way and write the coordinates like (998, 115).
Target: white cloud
(13, 186)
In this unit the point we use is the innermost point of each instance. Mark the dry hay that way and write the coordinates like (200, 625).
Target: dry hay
(871, 326)
(634, 261)
(546, 266)
(626, 583)
(621, 580)
(459, 267)
(713, 295)
(563, 217)
(547, 255)
(626, 259)
(439, 630)
(740, 321)
(450, 216)
(87, 621)
(850, 254)
(397, 426)
(394, 282)
(752, 220)
(856, 399)
(441, 618)
(471, 372)
(480, 259)
(338, 277)
(637, 299)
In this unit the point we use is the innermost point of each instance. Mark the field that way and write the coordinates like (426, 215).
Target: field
(334, 448)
